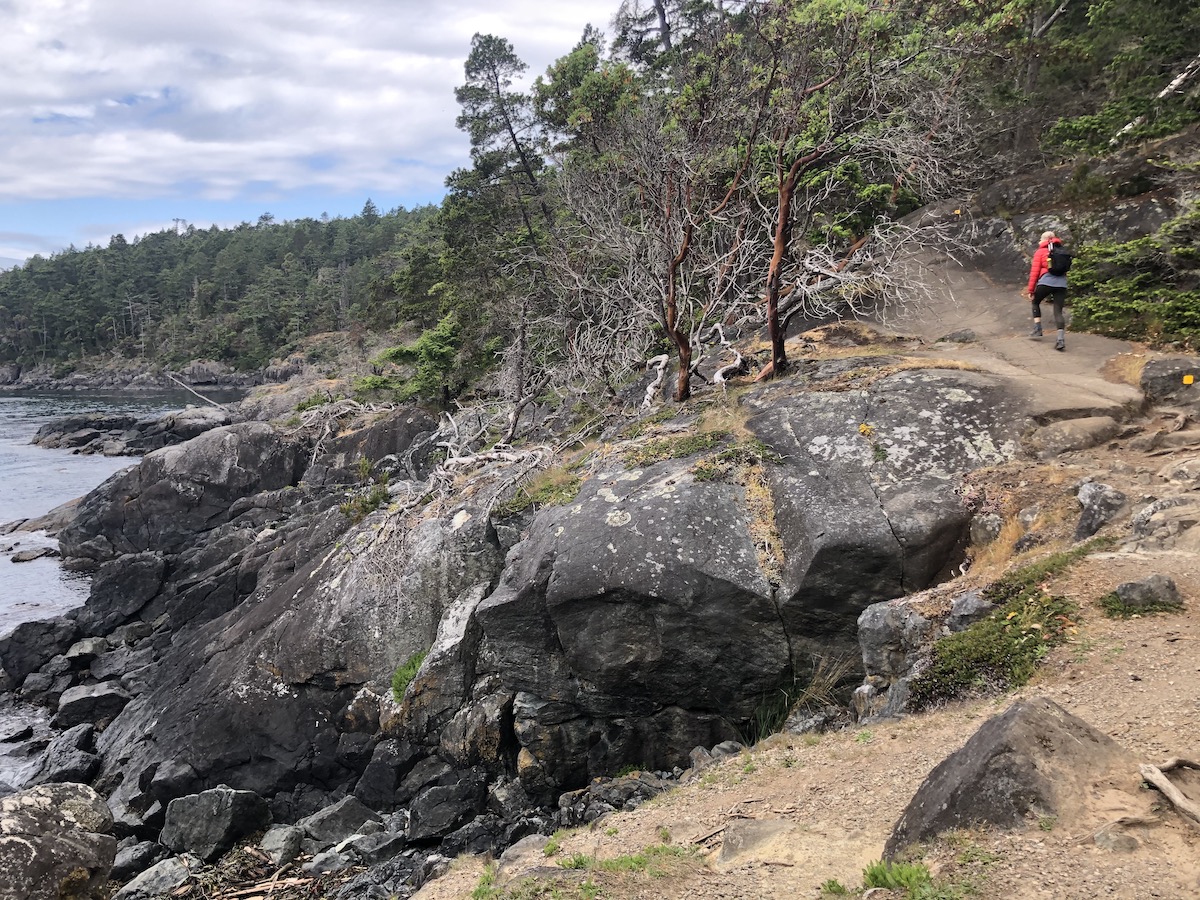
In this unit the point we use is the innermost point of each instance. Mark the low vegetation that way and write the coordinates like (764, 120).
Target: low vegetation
(557, 486)
(1146, 289)
(910, 880)
(1002, 651)
(1116, 608)
(405, 673)
(674, 447)
(820, 690)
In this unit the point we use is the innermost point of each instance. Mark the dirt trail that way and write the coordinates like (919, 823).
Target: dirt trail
(823, 806)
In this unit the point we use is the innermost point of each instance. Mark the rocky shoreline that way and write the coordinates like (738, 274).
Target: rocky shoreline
(248, 610)
(87, 377)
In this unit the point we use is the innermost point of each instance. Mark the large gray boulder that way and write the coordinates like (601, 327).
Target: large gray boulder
(54, 843)
(208, 824)
(90, 703)
(337, 822)
(32, 644)
(1034, 760)
(69, 757)
(633, 624)
(868, 491)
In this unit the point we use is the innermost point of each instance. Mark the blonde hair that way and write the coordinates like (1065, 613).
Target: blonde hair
(1046, 235)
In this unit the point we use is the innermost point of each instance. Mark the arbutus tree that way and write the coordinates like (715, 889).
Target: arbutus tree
(863, 123)
(657, 247)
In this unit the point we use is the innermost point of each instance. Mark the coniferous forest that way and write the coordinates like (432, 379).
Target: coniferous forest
(696, 166)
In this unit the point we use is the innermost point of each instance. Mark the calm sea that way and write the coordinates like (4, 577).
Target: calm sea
(34, 480)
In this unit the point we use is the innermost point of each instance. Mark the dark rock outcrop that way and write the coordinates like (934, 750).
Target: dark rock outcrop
(122, 435)
(1033, 760)
(1167, 381)
(54, 843)
(337, 822)
(631, 625)
(69, 758)
(32, 644)
(181, 491)
(90, 703)
(439, 810)
(208, 824)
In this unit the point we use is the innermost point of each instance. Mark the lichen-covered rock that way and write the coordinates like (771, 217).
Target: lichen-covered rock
(1100, 504)
(53, 843)
(868, 496)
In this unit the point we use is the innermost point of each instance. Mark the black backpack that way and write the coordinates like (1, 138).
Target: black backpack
(1059, 260)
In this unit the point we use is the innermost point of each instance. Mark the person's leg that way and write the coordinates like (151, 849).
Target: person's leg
(1039, 294)
(1059, 297)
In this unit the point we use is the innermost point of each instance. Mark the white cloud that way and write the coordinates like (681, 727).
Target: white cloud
(129, 98)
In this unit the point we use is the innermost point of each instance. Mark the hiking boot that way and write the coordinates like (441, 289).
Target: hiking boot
(1060, 344)
(1037, 331)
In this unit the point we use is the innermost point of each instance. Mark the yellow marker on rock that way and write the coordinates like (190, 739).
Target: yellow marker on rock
(1189, 379)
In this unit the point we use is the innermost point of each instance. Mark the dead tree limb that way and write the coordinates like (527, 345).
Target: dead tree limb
(1154, 775)
(661, 361)
(1175, 86)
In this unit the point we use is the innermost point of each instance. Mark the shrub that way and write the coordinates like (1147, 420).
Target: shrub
(315, 399)
(405, 673)
(362, 505)
(1146, 288)
(903, 876)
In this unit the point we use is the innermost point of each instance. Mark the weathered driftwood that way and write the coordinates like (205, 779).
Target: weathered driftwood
(1155, 776)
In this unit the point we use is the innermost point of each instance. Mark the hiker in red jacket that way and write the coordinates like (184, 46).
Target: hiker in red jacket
(1043, 284)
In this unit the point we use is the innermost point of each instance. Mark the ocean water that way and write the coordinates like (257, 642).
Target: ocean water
(34, 480)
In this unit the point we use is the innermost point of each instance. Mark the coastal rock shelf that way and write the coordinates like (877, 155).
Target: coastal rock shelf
(122, 435)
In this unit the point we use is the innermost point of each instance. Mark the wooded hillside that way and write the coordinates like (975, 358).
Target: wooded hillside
(700, 167)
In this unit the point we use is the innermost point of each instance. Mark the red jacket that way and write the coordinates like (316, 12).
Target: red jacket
(1041, 262)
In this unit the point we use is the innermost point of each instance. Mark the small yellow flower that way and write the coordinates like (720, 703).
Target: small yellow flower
(866, 430)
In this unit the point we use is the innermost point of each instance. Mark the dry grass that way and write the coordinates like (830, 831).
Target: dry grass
(1125, 368)
(863, 378)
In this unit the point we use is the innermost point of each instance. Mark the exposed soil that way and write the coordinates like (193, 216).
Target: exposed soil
(839, 794)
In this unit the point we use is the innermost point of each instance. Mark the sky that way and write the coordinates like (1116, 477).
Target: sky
(131, 116)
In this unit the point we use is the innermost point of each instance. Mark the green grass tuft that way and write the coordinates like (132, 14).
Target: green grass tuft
(676, 447)
(553, 487)
(405, 673)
